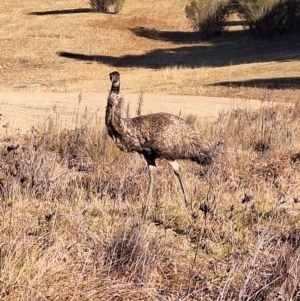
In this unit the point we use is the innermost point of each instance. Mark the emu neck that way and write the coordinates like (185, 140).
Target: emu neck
(113, 119)
(115, 87)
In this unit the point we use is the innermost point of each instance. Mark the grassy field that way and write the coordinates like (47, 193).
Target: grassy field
(71, 225)
(152, 45)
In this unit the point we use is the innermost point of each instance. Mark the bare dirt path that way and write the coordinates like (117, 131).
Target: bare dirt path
(22, 111)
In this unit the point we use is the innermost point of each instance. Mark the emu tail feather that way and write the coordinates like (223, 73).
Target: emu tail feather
(204, 158)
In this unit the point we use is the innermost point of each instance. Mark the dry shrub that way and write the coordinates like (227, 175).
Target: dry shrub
(107, 6)
(268, 18)
(57, 164)
(207, 16)
(272, 274)
(191, 119)
(268, 128)
(134, 252)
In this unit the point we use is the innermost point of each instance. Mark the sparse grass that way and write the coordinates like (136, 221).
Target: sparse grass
(71, 226)
(172, 60)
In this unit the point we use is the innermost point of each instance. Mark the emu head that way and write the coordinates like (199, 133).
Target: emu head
(115, 78)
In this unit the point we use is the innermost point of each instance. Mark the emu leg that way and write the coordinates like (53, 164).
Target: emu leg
(152, 172)
(176, 168)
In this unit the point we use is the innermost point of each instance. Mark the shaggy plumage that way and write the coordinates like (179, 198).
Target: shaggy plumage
(160, 135)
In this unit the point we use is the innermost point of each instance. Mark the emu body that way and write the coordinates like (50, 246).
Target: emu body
(159, 135)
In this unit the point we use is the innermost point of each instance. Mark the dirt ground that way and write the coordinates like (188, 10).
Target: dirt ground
(22, 111)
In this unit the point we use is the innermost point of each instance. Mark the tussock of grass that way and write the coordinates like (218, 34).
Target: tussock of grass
(207, 17)
(71, 207)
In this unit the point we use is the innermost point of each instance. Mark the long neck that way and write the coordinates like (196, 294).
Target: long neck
(113, 119)
(115, 87)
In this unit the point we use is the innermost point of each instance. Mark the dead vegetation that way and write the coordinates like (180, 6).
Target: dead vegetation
(71, 225)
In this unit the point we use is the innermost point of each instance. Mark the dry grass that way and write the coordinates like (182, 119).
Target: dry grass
(163, 55)
(71, 204)
(72, 227)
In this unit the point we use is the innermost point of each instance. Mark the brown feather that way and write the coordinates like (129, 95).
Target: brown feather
(163, 135)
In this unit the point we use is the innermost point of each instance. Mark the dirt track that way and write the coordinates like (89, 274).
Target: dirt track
(21, 111)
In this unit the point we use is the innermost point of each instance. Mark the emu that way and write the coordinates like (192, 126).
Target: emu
(159, 135)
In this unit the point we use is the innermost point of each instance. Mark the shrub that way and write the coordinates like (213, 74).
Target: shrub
(268, 18)
(108, 6)
(133, 250)
(207, 16)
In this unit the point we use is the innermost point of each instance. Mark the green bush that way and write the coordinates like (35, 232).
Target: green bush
(108, 6)
(207, 16)
(268, 18)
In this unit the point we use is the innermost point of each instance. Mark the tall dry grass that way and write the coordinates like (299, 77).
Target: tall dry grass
(71, 207)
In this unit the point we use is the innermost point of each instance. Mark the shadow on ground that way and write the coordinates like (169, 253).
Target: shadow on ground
(179, 37)
(265, 83)
(231, 49)
(64, 11)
